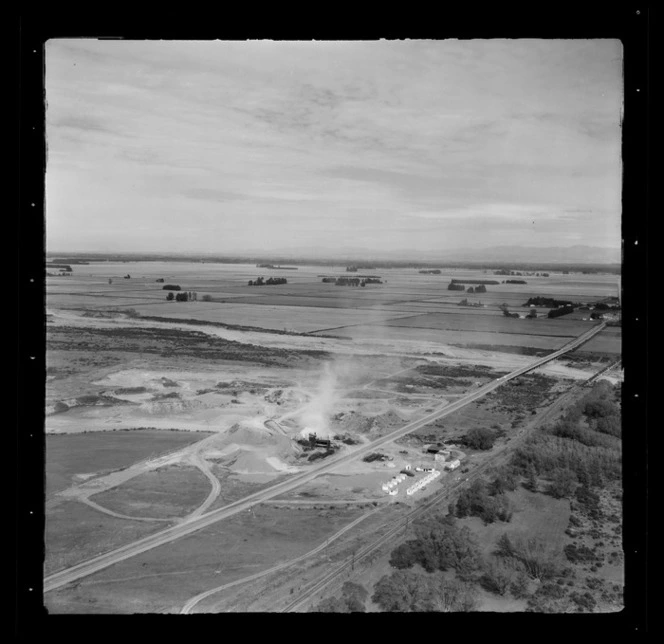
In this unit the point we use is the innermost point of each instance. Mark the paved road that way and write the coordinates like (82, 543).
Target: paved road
(180, 530)
(395, 534)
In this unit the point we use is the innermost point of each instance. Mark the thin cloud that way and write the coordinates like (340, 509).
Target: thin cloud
(399, 139)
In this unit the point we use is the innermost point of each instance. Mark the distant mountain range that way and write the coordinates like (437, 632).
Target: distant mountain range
(551, 255)
(578, 254)
(515, 255)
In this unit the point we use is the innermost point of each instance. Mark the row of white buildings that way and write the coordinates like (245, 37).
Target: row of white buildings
(391, 486)
(425, 480)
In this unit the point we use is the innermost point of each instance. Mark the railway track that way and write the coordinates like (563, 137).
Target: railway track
(85, 568)
(392, 534)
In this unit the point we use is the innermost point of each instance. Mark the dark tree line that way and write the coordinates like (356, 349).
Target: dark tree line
(560, 311)
(259, 281)
(185, 296)
(457, 281)
(547, 302)
(351, 281)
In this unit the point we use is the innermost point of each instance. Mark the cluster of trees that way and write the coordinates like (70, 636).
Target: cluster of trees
(456, 281)
(170, 287)
(352, 281)
(576, 455)
(504, 271)
(503, 575)
(455, 287)
(465, 302)
(353, 599)
(62, 267)
(604, 306)
(259, 281)
(548, 302)
(480, 438)
(487, 501)
(439, 544)
(433, 271)
(562, 310)
(185, 296)
(348, 281)
(537, 558)
(409, 591)
(515, 282)
(582, 450)
(506, 312)
(477, 289)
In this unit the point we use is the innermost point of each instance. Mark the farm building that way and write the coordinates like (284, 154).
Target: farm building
(452, 465)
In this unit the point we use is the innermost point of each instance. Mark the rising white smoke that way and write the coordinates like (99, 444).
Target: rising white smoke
(315, 417)
(335, 377)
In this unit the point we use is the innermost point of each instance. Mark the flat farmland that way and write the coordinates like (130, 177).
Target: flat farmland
(300, 319)
(436, 336)
(305, 304)
(164, 493)
(172, 574)
(96, 302)
(339, 302)
(497, 323)
(98, 452)
(251, 391)
(607, 341)
(76, 532)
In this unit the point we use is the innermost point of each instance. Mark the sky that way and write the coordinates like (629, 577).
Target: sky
(321, 147)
